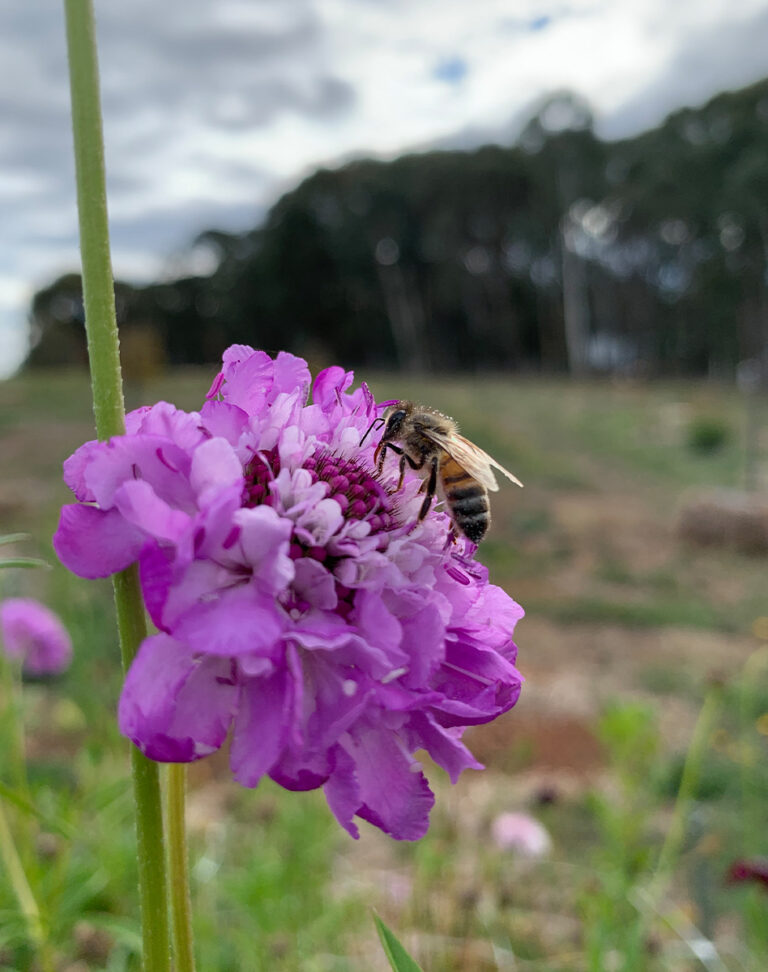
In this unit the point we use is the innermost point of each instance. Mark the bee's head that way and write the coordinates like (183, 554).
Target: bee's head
(394, 416)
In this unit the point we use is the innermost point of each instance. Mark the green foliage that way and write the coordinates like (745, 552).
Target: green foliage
(629, 731)
(398, 958)
(708, 434)
(16, 562)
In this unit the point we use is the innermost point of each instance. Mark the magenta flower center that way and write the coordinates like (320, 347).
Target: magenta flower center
(354, 487)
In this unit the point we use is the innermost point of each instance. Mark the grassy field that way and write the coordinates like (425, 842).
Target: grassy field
(627, 629)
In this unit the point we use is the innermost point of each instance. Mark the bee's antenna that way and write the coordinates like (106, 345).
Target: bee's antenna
(379, 421)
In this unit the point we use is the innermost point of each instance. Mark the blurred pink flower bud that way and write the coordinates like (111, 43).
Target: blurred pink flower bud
(34, 635)
(520, 833)
(754, 869)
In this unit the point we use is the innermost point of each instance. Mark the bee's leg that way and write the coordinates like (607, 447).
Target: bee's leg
(411, 462)
(431, 487)
(404, 457)
(382, 454)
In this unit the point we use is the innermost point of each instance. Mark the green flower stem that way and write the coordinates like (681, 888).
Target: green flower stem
(178, 869)
(19, 861)
(11, 705)
(98, 289)
(697, 751)
(109, 411)
(13, 727)
(18, 880)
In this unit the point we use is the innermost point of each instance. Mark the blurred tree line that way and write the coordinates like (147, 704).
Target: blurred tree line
(646, 255)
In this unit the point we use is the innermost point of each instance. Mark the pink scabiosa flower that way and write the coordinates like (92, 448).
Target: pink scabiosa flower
(521, 833)
(299, 603)
(33, 634)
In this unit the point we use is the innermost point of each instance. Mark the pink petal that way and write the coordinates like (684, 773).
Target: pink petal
(446, 749)
(265, 542)
(141, 506)
(175, 707)
(156, 572)
(234, 623)
(167, 422)
(163, 464)
(342, 791)
(291, 374)
(329, 386)
(314, 584)
(224, 420)
(75, 466)
(261, 726)
(94, 543)
(248, 382)
(423, 642)
(215, 467)
(395, 794)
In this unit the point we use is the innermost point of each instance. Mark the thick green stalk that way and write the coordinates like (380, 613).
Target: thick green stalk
(178, 870)
(109, 410)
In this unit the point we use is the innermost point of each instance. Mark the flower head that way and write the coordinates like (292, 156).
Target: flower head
(521, 833)
(300, 603)
(34, 635)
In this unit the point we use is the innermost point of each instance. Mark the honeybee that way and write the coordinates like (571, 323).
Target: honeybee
(456, 467)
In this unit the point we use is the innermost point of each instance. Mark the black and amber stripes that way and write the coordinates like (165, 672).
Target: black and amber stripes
(467, 499)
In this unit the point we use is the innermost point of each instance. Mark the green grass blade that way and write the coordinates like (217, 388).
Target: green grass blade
(13, 538)
(24, 562)
(399, 959)
(15, 798)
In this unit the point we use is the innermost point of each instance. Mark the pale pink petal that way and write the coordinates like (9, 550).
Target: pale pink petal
(215, 467)
(143, 508)
(291, 375)
(263, 542)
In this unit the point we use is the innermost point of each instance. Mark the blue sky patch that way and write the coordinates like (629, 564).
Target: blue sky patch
(452, 70)
(539, 23)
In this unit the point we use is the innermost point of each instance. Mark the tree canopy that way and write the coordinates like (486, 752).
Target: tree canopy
(647, 254)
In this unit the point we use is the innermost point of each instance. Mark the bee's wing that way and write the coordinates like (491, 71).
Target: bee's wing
(471, 458)
(477, 462)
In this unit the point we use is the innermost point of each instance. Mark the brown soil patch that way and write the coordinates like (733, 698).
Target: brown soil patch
(537, 740)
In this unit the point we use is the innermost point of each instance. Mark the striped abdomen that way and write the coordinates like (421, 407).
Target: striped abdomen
(466, 498)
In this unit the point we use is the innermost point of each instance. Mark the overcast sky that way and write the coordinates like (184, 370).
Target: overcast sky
(213, 107)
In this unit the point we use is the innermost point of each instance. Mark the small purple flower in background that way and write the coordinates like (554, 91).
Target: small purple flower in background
(33, 634)
(754, 870)
(299, 601)
(522, 834)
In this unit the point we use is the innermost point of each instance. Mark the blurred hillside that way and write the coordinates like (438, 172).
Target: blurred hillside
(647, 255)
